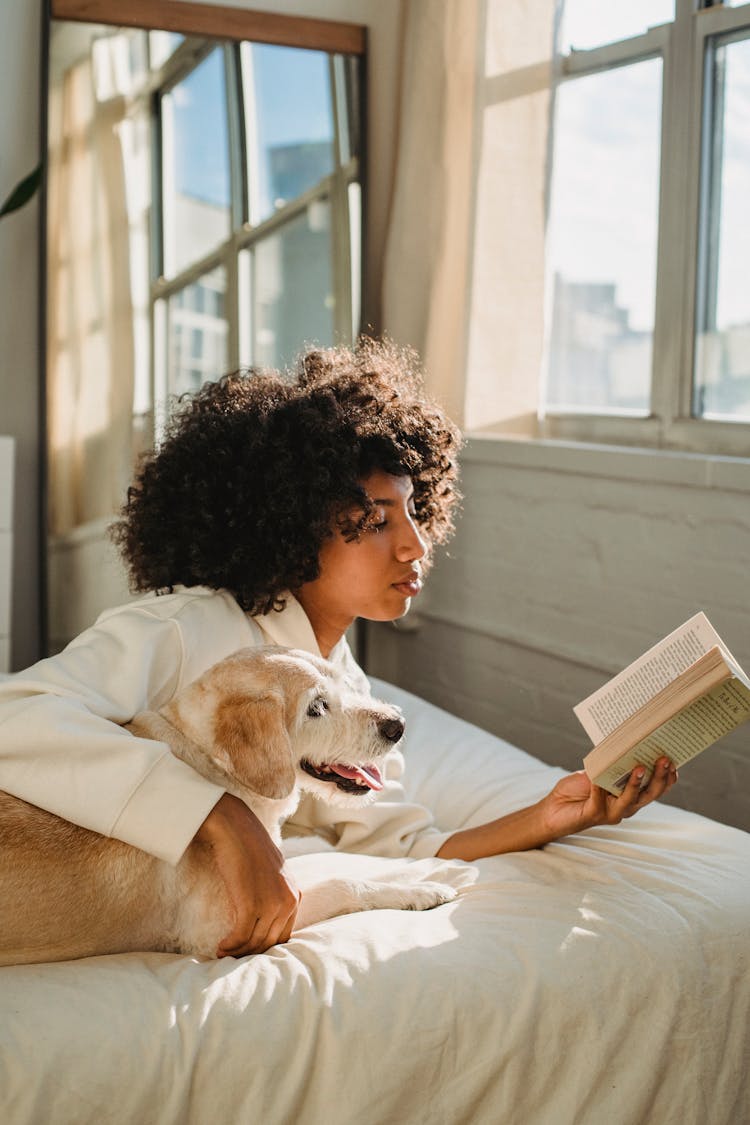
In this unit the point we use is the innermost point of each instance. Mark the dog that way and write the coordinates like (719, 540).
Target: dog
(265, 724)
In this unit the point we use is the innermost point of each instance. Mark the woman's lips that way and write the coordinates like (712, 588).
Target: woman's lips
(409, 589)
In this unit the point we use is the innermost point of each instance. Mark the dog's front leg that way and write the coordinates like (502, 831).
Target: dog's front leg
(348, 896)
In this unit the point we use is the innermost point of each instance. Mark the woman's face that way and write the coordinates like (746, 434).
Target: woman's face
(377, 575)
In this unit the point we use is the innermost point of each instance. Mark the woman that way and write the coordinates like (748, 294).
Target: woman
(275, 511)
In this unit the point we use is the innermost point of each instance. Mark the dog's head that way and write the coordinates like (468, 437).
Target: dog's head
(274, 718)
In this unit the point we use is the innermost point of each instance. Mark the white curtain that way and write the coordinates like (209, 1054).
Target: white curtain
(90, 371)
(427, 248)
(464, 265)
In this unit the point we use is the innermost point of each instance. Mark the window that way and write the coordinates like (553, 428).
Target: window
(648, 306)
(256, 253)
(722, 368)
(253, 223)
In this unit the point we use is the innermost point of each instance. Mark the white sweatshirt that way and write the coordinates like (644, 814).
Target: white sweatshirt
(61, 747)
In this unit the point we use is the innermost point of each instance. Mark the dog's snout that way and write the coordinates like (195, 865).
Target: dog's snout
(392, 729)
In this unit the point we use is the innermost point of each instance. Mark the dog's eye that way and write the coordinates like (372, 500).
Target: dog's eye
(317, 708)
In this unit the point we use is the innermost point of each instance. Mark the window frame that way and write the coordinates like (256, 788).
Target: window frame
(685, 116)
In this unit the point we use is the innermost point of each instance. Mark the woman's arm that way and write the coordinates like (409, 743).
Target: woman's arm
(63, 749)
(573, 805)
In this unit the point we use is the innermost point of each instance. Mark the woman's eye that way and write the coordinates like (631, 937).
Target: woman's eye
(317, 708)
(376, 523)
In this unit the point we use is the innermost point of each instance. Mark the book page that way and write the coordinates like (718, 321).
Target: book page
(604, 710)
(684, 736)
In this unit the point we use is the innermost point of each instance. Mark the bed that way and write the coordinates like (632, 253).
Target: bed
(602, 979)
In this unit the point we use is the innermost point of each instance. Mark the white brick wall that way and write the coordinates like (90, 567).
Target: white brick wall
(569, 562)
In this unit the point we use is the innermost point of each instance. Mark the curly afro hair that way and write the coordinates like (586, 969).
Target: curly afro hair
(257, 470)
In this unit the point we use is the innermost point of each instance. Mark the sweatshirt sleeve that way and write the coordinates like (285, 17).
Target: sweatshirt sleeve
(61, 747)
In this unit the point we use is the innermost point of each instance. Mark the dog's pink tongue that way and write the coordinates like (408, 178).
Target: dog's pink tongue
(367, 775)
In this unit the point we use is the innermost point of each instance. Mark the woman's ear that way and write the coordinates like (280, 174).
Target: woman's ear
(253, 744)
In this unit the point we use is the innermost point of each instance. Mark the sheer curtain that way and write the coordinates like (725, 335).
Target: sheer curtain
(464, 265)
(90, 371)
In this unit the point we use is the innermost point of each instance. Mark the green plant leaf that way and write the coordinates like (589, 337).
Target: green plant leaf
(22, 192)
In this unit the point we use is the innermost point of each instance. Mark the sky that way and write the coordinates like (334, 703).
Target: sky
(293, 104)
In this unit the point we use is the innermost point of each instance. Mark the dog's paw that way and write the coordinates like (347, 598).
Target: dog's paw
(427, 895)
(417, 896)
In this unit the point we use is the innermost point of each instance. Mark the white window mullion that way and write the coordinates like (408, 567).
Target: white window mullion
(161, 330)
(232, 307)
(252, 146)
(578, 63)
(245, 325)
(675, 282)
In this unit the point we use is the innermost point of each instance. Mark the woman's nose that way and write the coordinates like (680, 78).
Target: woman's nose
(411, 546)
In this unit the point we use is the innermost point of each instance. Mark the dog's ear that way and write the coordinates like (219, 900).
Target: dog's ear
(251, 734)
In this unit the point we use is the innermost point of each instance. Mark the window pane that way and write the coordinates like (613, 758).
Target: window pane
(289, 117)
(722, 376)
(602, 240)
(591, 23)
(197, 333)
(196, 165)
(293, 302)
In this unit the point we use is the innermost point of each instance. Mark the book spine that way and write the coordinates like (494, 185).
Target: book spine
(681, 737)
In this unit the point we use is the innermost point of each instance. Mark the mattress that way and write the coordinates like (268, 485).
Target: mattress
(600, 979)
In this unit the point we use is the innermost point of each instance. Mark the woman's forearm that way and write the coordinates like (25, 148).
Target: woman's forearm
(517, 832)
(572, 806)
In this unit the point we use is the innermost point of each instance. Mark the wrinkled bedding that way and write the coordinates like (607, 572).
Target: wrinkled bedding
(601, 979)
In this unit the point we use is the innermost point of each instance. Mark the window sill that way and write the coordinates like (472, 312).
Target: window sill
(617, 462)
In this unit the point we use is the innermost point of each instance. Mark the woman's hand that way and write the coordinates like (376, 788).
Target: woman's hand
(264, 897)
(575, 803)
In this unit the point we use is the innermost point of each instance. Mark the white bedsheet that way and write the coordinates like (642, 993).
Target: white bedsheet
(602, 980)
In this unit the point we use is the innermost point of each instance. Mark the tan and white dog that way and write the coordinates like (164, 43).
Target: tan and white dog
(264, 724)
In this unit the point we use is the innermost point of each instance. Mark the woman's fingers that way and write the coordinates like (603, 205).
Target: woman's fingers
(255, 933)
(257, 942)
(261, 938)
(263, 896)
(635, 796)
(659, 781)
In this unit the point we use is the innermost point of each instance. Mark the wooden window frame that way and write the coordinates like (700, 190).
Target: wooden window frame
(202, 20)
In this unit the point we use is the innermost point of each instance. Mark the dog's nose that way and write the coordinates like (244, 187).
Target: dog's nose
(392, 729)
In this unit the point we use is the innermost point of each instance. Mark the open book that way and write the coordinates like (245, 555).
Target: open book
(677, 699)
